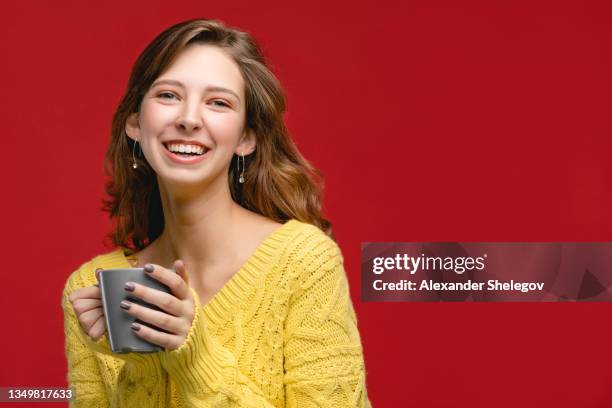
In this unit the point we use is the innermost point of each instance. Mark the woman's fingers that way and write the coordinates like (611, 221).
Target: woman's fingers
(98, 328)
(162, 320)
(163, 300)
(87, 319)
(90, 292)
(179, 306)
(85, 305)
(181, 269)
(165, 340)
(174, 280)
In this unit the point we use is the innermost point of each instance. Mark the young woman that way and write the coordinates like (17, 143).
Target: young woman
(259, 313)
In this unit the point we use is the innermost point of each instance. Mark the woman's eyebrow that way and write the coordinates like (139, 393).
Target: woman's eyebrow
(211, 88)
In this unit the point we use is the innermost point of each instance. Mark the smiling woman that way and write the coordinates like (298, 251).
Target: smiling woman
(219, 205)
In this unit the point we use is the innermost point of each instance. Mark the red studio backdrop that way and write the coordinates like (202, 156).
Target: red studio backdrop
(430, 120)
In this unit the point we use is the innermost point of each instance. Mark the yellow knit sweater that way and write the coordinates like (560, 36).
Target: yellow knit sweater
(281, 333)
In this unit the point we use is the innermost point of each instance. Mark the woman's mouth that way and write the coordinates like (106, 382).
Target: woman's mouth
(190, 153)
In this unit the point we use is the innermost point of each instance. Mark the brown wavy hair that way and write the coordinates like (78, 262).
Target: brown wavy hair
(280, 183)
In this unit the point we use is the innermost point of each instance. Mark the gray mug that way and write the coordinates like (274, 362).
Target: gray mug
(121, 337)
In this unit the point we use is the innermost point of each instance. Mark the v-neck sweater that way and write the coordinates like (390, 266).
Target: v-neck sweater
(282, 332)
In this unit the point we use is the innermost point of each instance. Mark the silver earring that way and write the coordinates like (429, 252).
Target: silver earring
(241, 178)
(135, 165)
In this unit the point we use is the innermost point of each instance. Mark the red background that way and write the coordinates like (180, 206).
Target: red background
(432, 121)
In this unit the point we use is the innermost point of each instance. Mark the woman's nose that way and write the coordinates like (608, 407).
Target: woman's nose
(189, 120)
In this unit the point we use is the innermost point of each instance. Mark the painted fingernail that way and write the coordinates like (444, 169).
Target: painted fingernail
(149, 268)
(129, 287)
(135, 326)
(125, 305)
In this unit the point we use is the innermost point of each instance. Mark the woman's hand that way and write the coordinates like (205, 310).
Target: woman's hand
(87, 305)
(179, 307)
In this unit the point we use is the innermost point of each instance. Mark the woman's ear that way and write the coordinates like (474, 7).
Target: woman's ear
(132, 127)
(247, 143)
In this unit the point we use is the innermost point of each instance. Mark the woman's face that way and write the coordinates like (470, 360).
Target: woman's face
(198, 101)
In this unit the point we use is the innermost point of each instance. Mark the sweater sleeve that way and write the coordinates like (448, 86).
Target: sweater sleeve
(324, 364)
(207, 373)
(85, 376)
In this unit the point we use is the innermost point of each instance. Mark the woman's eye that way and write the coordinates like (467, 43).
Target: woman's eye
(222, 103)
(161, 95)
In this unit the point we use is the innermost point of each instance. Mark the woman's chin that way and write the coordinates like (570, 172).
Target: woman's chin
(183, 181)
(187, 181)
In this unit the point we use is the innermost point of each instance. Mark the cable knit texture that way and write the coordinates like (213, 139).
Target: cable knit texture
(281, 333)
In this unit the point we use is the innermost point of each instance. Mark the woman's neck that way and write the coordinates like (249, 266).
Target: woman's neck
(201, 228)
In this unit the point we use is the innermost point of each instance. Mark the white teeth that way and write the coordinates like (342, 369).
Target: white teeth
(180, 148)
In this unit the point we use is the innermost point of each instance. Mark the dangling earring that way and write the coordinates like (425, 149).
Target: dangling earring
(241, 178)
(135, 165)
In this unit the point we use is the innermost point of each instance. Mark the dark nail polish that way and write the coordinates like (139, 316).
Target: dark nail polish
(129, 287)
(135, 326)
(125, 305)
(149, 268)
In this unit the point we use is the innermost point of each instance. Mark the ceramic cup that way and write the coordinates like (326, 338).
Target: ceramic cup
(121, 337)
